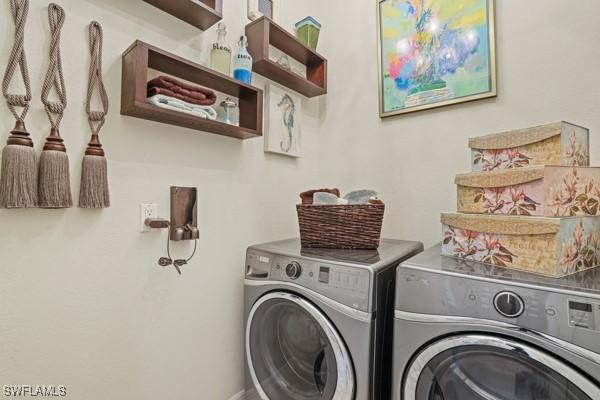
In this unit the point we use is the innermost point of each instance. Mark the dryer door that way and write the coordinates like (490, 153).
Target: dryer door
(481, 367)
(295, 353)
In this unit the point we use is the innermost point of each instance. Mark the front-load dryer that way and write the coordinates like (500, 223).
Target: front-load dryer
(318, 321)
(469, 331)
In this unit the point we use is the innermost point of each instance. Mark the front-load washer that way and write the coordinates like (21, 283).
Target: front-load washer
(318, 320)
(469, 331)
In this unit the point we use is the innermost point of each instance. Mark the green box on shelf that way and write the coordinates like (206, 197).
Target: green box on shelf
(308, 31)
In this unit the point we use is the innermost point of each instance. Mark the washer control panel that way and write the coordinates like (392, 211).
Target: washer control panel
(345, 284)
(584, 315)
(509, 304)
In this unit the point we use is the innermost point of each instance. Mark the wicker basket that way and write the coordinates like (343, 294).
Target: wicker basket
(340, 226)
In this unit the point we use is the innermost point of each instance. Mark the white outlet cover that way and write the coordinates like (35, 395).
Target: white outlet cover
(147, 210)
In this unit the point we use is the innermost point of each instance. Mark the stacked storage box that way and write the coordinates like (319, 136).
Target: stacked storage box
(530, 203)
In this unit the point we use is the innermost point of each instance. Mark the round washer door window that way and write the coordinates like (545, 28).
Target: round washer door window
(479, 367)
(295, 353)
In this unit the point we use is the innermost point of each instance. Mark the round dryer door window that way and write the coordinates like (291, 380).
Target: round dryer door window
(295, 353)
(479, 367)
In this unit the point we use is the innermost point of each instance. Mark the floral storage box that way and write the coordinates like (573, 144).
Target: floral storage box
(548, 246)
(560, 143)
(549, 191)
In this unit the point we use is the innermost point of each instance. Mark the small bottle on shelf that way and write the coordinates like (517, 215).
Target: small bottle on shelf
(242, 62)
(220, 55)
(230, 113)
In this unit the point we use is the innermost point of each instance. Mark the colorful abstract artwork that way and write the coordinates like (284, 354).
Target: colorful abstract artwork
(434, 53)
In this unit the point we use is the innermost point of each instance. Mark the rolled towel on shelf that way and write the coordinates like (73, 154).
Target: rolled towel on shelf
(188, 92)
(171, 103)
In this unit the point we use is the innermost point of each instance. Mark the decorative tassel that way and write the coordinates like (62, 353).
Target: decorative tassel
(54, 182)
(94, 177)
(18, 178)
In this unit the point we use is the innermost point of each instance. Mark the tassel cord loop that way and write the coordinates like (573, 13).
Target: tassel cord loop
(19, 10)
(94, 191)
(96, 118)
(54, 77)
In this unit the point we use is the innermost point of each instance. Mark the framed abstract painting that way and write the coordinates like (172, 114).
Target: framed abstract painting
(283, 117)
(434, 53)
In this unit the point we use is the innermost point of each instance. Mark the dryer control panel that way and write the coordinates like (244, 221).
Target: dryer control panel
(584, 315)
(567, 316)
(343, 284)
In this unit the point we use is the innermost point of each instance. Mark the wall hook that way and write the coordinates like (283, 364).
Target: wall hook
(182, 226)
(184, 213)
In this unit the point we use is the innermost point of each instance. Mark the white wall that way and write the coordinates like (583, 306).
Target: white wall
(82, 302)
(82, 299)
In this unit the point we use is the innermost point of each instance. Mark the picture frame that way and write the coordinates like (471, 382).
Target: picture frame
(433, 53)
(283, 121)
(260, 8)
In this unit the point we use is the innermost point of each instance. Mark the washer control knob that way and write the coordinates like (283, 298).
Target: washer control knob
(293, 270)
(509, 304)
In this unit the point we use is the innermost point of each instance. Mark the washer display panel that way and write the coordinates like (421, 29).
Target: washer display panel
(295, 353)
(477, 367)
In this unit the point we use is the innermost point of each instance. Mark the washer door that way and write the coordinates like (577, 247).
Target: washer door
(479, 367)
(295, 353)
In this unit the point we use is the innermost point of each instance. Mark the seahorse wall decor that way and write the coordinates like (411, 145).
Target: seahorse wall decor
(288, 109)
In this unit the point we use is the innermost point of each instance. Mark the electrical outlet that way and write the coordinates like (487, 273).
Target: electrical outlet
(147, 210)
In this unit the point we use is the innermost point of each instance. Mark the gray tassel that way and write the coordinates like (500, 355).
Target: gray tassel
(18, 176)
(19, 173)
(94, 183)
(54, 180)
(54, 183)
(18, 183)
(94, 175)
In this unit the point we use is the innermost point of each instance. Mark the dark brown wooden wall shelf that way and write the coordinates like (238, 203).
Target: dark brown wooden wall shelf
(201, 13)
(264, 32)
(140, 56)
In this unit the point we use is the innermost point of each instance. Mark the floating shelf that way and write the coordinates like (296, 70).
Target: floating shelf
(264, 32)
(201, 13)
(140, 56)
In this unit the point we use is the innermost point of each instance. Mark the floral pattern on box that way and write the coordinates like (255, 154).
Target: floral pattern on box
(477, 246)
(574, 192)
(562, 144)
(512, 200)
(580, 250)
(576, 150)
(525, 243)
(491, 160)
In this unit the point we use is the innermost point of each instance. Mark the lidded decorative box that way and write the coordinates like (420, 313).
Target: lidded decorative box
(550, 191)
(560, 143)
(553, 247)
